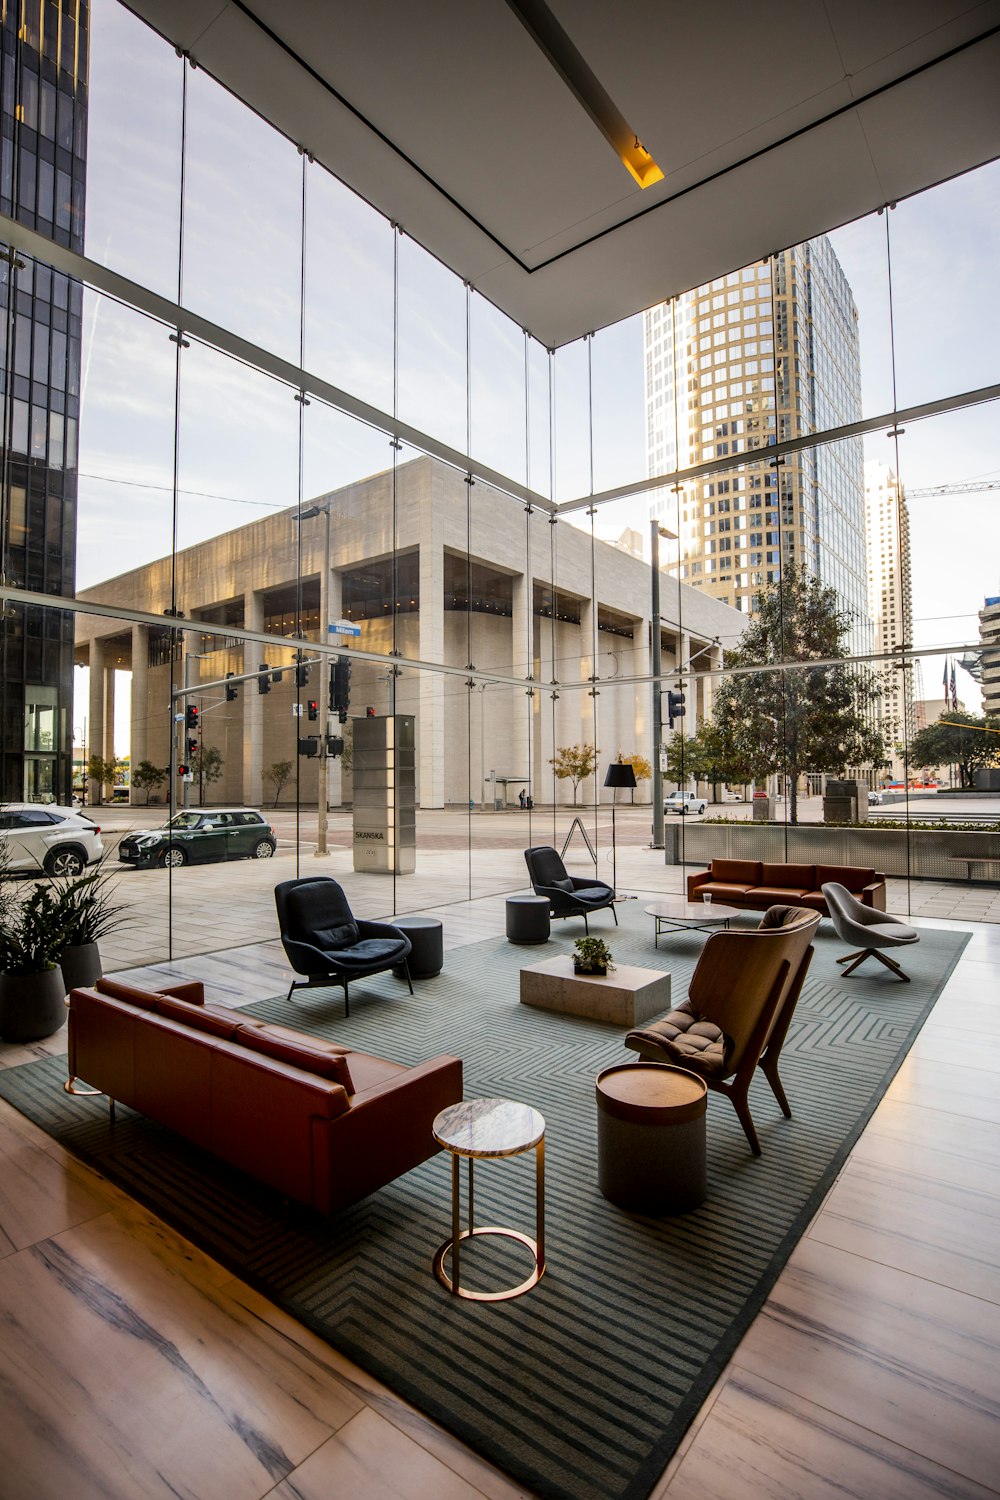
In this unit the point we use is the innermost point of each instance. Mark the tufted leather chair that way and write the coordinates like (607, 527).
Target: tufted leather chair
(740, 1002)
(327, 943)
(567, 895)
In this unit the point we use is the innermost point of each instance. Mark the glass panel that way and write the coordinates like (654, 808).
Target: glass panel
(498, 432)
(133, 149)
(349, 291)
(572, 421)
(432, 346)
(242, 267)
(620, 449)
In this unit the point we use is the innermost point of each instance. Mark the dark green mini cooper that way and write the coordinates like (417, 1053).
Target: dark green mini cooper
(221, 833)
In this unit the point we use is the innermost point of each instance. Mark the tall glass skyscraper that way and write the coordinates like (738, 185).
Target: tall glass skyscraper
(759, 356)
(43, 124)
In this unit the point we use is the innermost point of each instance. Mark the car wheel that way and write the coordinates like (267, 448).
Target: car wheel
(263, 849)
(65, 862)
(173, 859)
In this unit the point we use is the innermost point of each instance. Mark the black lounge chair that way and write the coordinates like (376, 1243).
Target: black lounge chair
(567, 895)
(327, 943)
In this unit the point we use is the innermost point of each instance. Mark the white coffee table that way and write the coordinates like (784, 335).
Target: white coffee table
(626, 996)
(674, 914)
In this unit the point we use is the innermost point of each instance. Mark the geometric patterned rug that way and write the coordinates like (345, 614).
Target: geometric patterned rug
(582, 1388)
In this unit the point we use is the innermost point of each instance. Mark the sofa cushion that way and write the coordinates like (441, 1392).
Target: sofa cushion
(797, 877)
(592, 893)
(815, 901)
(197, 1017)
(332, 1065)
(720, 892)
(852, 877)
(287, 1034)
(563, 885)
(745, 872)
(770, 895)
(144, 999)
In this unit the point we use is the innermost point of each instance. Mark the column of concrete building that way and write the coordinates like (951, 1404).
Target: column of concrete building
(95, 716)
(431, 742)
(521, 664)
(139, 734)
(253, 704)
(588, 700)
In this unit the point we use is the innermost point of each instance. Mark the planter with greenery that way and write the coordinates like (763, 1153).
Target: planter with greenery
(88, 912)
(32, 992)
(592, 956)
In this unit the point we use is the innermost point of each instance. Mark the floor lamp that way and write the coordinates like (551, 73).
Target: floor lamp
(620, 773)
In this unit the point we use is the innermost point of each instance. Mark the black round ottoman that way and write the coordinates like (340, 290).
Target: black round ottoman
(528, 919)
(426, 945)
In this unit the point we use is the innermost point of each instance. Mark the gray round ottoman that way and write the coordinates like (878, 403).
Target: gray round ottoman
(528, 919)
(651, 1137)
(426, 937)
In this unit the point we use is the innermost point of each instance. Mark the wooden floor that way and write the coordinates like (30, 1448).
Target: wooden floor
(132, 1365)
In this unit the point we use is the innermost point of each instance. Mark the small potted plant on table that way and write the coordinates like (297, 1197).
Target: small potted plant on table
(592, 956)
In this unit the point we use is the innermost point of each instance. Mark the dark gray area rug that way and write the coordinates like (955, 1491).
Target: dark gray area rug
(582, 1388)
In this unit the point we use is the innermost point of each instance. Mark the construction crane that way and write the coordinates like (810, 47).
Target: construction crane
(972, 488)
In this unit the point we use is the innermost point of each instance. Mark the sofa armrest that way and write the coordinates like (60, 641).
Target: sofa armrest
(874, 895)
(694, 881)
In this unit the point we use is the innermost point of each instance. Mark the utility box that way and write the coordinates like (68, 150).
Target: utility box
(762, 808)
(845, 801)
(385, 795)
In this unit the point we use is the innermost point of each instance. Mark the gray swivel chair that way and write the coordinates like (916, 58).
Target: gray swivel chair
(871, 930)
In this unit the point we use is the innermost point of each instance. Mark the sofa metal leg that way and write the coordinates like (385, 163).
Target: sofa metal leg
(347, 1000)
(406, 971)
(72, 1087)
(615, 915)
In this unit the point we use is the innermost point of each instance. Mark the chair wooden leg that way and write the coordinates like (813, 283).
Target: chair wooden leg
(769, 1068)
(848, 956)
(742, 1108)
(890, 963)
(858, 958)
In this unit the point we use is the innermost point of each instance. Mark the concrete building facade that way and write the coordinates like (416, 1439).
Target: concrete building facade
(577, 642)
(989, 635)
(890, 602)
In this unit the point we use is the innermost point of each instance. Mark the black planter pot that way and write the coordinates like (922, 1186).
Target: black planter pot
(81, 966)
(579, 968)
(32, 1006)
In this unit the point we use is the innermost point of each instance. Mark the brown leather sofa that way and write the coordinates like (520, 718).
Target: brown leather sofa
(756, 885)
(320, 1123)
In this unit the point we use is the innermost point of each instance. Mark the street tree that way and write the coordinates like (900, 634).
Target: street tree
(206, 762)
(640, 765)
(818, 718)
(102, 774)
(278, 774)
(967, 741)
(146, 777)
(574, 763)
(701, 755)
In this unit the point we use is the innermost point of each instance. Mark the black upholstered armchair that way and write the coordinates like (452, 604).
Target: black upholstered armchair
(327, 943)
(567, 895)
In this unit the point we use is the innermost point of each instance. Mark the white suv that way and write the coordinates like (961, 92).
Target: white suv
(58, 840)
(684, 802)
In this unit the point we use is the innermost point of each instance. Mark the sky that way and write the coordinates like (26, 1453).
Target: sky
(237, 431)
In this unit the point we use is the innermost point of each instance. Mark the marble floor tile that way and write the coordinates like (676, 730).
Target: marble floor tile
(977, 1051)
(370, 1459)
(923, 1127)
(761, 1442)
(907, 1358)
(40, 1195)
(968, 1091)
(965, 1012)
(102, 1322)
(927, 1226)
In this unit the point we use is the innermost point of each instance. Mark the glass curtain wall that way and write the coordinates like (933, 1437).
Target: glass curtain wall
(343, 496)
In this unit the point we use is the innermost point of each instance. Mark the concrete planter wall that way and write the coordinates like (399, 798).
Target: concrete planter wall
(924, 854)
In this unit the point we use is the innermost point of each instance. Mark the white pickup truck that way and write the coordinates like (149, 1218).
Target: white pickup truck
(684, 802)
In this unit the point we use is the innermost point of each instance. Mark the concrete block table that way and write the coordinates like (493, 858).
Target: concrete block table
(627, 996)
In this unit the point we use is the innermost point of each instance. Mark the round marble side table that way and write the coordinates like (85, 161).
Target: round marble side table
(478, 1129)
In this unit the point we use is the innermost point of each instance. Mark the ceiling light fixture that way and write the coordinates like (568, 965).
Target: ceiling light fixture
(550, 37)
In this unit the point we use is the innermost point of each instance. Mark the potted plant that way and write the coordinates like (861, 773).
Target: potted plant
(32, 992)
(592, 956)
(88, 912)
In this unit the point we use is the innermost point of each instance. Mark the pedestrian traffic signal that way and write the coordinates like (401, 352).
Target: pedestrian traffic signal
(232, 691)
(334, 744)
(309, 745)
(675, 708)
(192, 747)
(263, 678)
(312, 709)
(182, 770)
(191, 716)
(369, 713)
(301, 675)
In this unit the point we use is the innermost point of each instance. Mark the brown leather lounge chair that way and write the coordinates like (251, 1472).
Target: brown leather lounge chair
(739, 1005)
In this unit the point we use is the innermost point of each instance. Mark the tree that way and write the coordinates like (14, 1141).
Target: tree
(700, 755)
(102, 774)
(958, 739)
(146, 776)
(805, 718)
(574, 763)
(206, 763)
(640, 765)
(277, 775)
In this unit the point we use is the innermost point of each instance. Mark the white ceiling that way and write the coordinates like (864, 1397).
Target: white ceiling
(772, 122)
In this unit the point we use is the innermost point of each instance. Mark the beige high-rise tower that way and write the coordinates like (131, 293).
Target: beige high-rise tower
(889, 598)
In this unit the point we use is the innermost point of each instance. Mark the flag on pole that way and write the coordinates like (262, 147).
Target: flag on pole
(954, 693)
(944, 681)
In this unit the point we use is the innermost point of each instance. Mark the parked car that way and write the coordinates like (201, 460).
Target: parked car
(198, 835)
(684, 802)
(58, 840)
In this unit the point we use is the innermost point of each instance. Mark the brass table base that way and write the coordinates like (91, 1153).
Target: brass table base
(453, 1246)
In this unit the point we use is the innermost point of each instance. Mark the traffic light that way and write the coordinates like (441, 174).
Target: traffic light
(232, 691)
(182, 770)
(369, 713)
(675, 708)
(191, 717)
(301, 675)
(312, 709)
(192, 747)
(263, 678)
(340, 687)
(334, 744)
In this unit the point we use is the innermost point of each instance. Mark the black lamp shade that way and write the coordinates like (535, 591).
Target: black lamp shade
(619, 775)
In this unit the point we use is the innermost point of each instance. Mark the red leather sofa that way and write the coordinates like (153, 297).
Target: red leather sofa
(320, 1123)
(756, 885)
